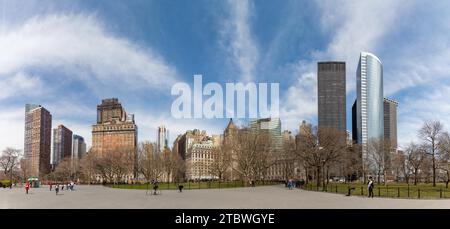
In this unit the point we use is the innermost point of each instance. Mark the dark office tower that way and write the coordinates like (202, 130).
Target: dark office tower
(390, 121)
(331, 95)
(354, 124)
(38, 130)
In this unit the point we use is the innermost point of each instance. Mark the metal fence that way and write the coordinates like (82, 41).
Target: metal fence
(387, 191)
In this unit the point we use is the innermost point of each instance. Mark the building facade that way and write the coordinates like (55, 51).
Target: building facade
(199, 158)
(273, 127)
(62, 144)
(331, 95)
(37, 147)
(163, 139)
(369, 106)
(390, 122)
(78, 147)
(186, 140)
(115, 132)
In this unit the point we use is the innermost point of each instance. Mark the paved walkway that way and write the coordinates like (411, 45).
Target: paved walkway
(249, 198)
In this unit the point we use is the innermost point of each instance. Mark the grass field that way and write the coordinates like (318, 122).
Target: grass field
(191, 185)
(391, 190)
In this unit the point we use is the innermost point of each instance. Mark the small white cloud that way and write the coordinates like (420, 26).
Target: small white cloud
(300, 100)
(20, 84)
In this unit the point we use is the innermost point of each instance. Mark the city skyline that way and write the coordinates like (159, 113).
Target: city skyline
(242, 44)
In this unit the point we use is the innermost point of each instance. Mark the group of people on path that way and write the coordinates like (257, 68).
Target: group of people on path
(69, 186)
(290, 184)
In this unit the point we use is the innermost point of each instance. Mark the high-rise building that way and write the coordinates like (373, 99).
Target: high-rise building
(78, 147)
(331, 95)
(78, 152)
(354, 124)
(369, 106)
(37, 147)
(304, 128)
(115, 131)
(273, 127)
(163, 138)
(390, 121)
(62, 144)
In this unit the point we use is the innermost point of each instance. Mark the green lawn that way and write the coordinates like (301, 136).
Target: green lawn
(391, 190)
(191, 185)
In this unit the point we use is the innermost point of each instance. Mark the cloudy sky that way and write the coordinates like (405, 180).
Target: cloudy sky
(68, 55)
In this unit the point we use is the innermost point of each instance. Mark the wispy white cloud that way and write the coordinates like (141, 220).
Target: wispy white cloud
(80, 42)
(356, 26)
(353, 26)
(238, 40)
(300, 99)
(12, 127)
(428, 104)
(19, 84)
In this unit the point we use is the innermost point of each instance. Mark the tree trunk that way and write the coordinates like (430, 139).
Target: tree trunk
(378, 176)
(318, 177)
(415, 177)
(434, 171)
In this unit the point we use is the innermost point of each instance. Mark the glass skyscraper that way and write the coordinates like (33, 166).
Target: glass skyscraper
(273, 127)
(369, 106)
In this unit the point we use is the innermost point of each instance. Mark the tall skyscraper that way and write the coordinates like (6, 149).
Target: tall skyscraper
(273, 127)
(115, 131)
(78, 151)
(62, 144)
(390, 122)
(354, 124)
(37, 147)
(369, 106)
(163, 138)
(331, 95)
(78, 147)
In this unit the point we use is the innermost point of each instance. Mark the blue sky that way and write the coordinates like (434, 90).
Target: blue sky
(68, 55)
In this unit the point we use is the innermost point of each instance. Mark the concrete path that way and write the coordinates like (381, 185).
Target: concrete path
(247, 198)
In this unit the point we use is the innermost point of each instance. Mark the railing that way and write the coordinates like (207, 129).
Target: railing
(420, 191)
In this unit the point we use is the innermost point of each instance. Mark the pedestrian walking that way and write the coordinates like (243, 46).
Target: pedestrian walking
(180, 187)
(57, 189)
(51, 185)
(27, 187)
(370, 186)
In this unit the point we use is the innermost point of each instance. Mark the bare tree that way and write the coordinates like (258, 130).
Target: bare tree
(321, 150)
(378, 151)
(415, 157)
(430, 133)
(9, 161)
(221, 161)
(150, 163)
(306, 149)
(444, 159)
(25, 169)
(399, 166)
(63, 171)
(287, 159)
(87, 167)
(254, 155)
